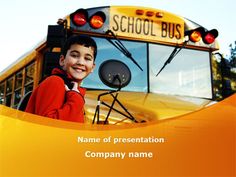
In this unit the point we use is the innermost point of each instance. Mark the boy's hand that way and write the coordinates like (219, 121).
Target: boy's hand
(74, 88)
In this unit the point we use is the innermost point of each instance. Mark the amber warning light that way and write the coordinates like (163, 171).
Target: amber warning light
(97, 20)
(149, 13)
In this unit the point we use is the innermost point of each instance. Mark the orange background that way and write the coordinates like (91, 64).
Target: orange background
(202, 143)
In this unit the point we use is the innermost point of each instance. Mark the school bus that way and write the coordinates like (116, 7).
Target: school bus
(169, 84)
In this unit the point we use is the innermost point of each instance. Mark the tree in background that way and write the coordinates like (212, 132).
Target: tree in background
(232, 60)
(224, 74)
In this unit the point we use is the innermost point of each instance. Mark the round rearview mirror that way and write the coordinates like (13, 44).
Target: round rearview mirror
(114, 73)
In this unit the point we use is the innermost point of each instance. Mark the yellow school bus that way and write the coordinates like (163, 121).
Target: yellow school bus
(157, 95)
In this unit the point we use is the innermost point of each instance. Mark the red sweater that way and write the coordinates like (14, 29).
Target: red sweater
(50, 99)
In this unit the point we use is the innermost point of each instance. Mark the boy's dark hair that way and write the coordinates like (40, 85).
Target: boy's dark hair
(82, 40)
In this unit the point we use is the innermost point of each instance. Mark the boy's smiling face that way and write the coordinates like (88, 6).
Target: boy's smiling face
(78, 62)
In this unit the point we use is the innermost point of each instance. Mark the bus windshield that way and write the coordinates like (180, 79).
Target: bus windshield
(188, 74)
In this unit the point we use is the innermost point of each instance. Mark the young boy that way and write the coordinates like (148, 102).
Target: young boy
(53, 98)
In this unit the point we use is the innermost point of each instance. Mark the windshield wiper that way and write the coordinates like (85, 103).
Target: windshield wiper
(176, 50)
(121, 48)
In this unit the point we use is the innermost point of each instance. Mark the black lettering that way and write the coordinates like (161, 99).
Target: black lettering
(164, 29)
(152, 33)
(178, 29)
(171, 30)
(146, 27)
(131, 24)
(138, 25)
(122, 22)
(115, 18)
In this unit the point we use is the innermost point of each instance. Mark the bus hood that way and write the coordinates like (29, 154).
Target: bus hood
(142, 106)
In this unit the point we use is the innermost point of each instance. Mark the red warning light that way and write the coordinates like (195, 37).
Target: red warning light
(80, 17)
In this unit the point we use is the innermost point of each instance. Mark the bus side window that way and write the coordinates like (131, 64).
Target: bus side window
(9, 91)
(18, 88)
(2, 92)
(29, 77)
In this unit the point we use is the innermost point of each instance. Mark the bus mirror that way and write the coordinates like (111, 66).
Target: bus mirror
(55, 36)
(114, 74)
(51, 60)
